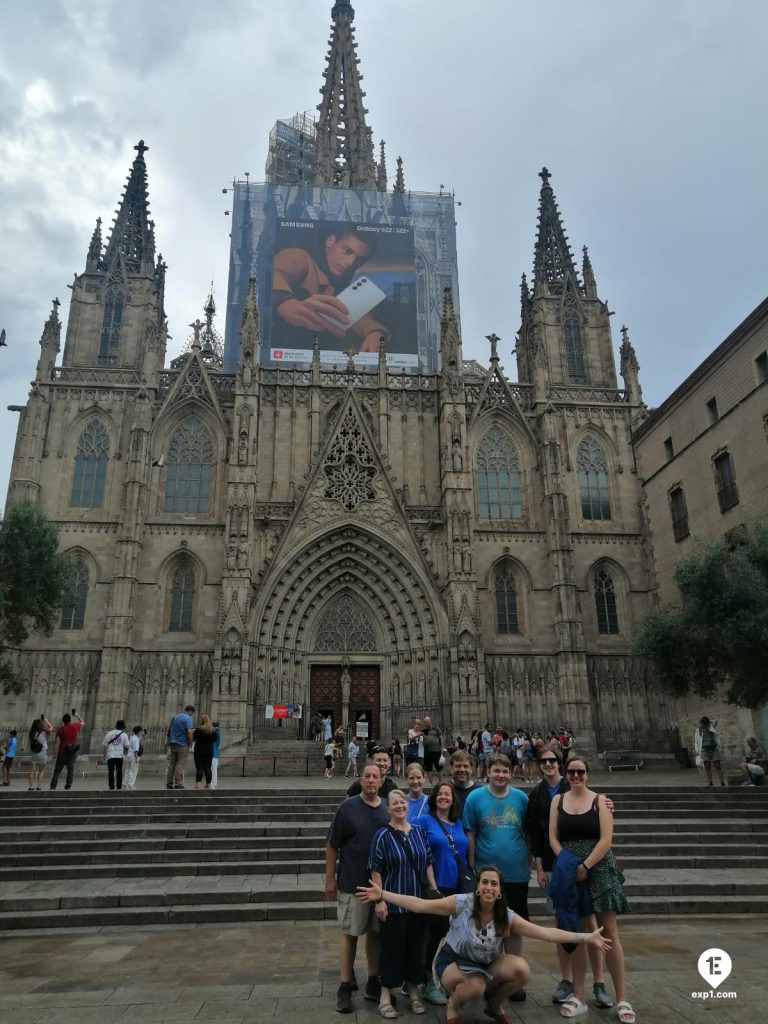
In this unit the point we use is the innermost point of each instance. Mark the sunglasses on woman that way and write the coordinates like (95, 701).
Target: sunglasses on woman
(547, 760)
(576, 772)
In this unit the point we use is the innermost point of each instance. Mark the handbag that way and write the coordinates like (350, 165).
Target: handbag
(427, 893)
(465, 876)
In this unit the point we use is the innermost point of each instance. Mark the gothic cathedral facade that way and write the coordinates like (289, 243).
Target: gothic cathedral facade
(462, 544)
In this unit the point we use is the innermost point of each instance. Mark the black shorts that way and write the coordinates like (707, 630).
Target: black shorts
(432, 761)
(517, 897)
(329, 761)
(8, 763)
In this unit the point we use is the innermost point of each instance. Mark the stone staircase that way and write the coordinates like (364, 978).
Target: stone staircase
(95, 858)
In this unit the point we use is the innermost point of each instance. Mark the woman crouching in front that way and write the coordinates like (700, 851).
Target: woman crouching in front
(471, 963)
(400, 862)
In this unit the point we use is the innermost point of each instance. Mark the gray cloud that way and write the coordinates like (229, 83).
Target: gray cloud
(650, 117)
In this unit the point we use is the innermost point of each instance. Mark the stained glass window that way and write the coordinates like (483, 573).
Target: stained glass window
(90, 466)
(506, 600)
(73, 617)
(190, 462)
(605, 603)
(498, 477)
(593, 480)
(182, 600)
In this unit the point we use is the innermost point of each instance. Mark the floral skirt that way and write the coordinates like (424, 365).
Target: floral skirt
(605, 880)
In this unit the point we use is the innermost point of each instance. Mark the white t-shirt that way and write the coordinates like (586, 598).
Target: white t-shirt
(133, 747)
(116, 743)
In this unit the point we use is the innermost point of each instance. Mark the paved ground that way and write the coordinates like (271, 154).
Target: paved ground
(233, 975)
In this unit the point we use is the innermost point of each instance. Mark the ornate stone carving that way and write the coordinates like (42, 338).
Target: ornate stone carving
(345, 627)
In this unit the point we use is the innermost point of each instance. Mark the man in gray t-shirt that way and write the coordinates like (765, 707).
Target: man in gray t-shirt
(354, 825)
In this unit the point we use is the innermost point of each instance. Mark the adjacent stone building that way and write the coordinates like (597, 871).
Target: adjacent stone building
(462, 544)
(703, 461)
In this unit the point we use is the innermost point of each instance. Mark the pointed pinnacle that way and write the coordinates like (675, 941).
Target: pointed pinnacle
(399, 177)
(132, 236)
(448, 312)
(494, 340)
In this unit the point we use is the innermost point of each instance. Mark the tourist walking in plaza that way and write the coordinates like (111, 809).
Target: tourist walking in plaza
(204, 739)
(400, 861)
(179, 742)
(551, 785)
(580, 834)
(348, 845)
(707, 745)
(132, 758)
(396, 756)
(445, 834)
(327, 729)
(9, 754)
(472, 962)
(67, 748)
(215, 759)
(433, 748)
(115, 746)
(329, 753)
(39, 732)
(352, 753)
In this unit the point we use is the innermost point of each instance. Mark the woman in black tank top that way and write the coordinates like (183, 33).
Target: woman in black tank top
(580, 822)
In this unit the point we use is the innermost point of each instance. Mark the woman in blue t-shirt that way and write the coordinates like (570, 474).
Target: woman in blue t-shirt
(447, 840)
(417, 800)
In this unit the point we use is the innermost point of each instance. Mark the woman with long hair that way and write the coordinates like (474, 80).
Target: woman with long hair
(551, 785)
(204, 738)
(581, 824)
(471, 963)
(400, 861)
(39, 732)
(448, 842)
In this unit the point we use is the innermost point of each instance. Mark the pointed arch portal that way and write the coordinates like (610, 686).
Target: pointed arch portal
(348, 597)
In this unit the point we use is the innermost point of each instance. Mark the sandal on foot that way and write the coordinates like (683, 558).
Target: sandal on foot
(416, 1006)
(451, 1013)
(625, 1012)
(602, 999)
(387, 1011)
(573, 1007)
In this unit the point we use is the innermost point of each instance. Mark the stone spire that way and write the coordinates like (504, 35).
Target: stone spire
(381, 169)
(588, 275)
(50, 344)
(95, 248)
(133, 236)
(249, 322)
(399, 177)
(552, 257)
(630, 369)
(343, 147)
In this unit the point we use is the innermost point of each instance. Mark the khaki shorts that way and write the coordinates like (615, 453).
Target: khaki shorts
(355, 918)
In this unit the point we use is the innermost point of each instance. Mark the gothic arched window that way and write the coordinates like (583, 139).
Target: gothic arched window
(605, 603)
(505, 586)
(593, 480)
(90, 466)
(190, 463)
(574, 346)
(110, 327)
(73, 616)
(498, 477)
(182, 600)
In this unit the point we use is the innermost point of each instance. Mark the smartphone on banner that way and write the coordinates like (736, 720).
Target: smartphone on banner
(360, 298)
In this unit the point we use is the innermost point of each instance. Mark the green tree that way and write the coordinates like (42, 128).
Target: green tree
(35, 581)
(718, 636)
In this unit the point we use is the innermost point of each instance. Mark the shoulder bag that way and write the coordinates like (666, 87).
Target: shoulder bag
(427, 893)
(465, 877)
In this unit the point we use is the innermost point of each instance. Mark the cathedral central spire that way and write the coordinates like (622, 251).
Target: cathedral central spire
(343, 145)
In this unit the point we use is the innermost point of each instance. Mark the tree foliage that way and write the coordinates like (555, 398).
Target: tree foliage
(35, 581)
(719, 635)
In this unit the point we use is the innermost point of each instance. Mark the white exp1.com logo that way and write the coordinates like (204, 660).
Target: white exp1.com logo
(714, 966)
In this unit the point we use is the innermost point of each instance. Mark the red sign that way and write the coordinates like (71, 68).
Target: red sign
(279, 711)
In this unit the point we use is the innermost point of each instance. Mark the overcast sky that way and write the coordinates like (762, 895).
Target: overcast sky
(651, 117)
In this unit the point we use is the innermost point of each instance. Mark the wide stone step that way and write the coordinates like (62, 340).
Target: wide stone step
(158, 870)
(314, 910)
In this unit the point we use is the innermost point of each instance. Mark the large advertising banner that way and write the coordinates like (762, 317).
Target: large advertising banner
(351, 285)
(356, 270)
